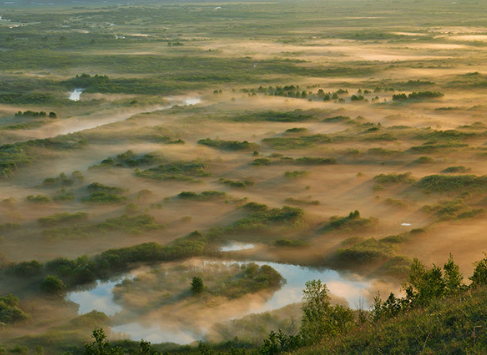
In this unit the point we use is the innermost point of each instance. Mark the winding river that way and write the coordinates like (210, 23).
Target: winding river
(347, 287)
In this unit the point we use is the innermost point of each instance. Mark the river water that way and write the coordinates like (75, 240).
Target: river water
(345, 286)
(76, 94)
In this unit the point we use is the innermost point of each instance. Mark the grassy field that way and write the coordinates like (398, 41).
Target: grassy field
(342, 134)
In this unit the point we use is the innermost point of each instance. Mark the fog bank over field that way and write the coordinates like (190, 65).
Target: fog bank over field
(165, 166)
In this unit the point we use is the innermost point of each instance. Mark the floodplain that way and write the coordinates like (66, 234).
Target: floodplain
(243, 143)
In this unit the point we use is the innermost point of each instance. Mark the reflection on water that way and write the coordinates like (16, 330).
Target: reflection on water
(76, 94)
(237, 246)
(296, 277)
(101, 298)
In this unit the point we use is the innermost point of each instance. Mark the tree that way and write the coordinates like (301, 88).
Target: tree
(197, 285)
(146, 349)
(479, 277)
(51, 284)
(101, 346)
(320, 319)
(316, 309)
(453, 277)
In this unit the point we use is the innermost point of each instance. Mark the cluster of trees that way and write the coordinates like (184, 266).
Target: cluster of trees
(321, 322)
(350, 222)
(130, 159)
(203, 196)
(64, 180)
(14, 156)
(251, 278)
(178, 170)
(10, 311)
(35, 114)
(261, 218)
(421, 95)
(424, 286)
(229, 145)
(294, 91)
(102, 194)
(87, 81)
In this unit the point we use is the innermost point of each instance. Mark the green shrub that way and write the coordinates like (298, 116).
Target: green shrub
(52, 285)
(456, 169)
(25, 269)
(253, 278)
(351, 222)
(10, 311)
(262, 218)
(97, 187)
(261, 161)
(453, 209)
(370, 251)
(180, 170)
(314, 161)
(104, 198)
(422, 95)
(287, 243)
(204, 196)
(131, 224)
(397, 267)
(394, 178)
(63, 180)
(64, 217)
(296, 143)
(131, 208)
(424, 160)
(39, 199)
(299, 202)
(229, 145)
(296, 130)
(236, 183)
(447, 135)
(396, 203)
(434, 147)
(67, 232)
(295, 174)
(336, 119)
(446, 183)
(64, 196)
(276, 116)
(130, 159)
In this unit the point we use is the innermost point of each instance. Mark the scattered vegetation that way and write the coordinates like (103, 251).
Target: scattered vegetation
(63, 217)
(456, 169)
(228, 145)
(295, 174)
(282, 143)
(180, 170)
(203, 196)
(247, 182)
(10, 312)
(453, 209)
(352, 222)
(448, 183)
(394, 178)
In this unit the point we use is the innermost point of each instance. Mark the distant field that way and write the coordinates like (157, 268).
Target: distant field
(349, 135)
